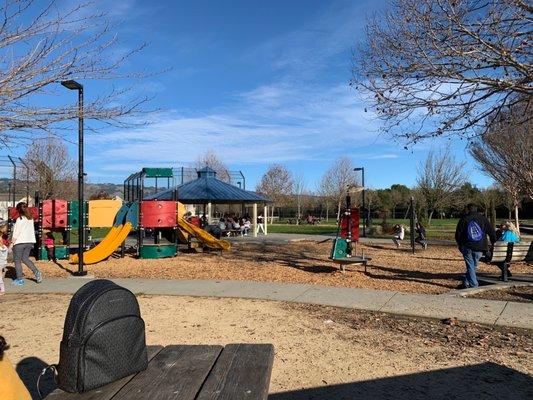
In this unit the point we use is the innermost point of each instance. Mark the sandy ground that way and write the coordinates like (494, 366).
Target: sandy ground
(321, 352)
(435, 270)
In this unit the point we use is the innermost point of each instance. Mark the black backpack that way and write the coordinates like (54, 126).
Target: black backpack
(103, 339)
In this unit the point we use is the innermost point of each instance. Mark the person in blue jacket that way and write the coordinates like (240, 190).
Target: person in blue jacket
(509, 233)
(471, 238)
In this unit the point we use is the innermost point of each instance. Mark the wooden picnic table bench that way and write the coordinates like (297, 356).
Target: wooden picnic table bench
(192, 372)
(506, 253)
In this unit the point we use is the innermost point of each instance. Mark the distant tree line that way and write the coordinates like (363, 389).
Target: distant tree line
(442, 190)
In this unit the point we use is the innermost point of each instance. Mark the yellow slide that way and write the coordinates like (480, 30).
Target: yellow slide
(119, 232)
(107, 246)
(203, 236)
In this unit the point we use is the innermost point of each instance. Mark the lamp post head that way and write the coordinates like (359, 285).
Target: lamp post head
(72, 85)
(359, 169)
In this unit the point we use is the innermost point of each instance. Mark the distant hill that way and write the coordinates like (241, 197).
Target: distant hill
(112, 189)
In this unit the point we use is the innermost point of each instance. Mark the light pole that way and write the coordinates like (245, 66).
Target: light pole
(362, 169)
(73, 85)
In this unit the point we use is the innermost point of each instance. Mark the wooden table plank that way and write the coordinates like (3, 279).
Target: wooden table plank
(242, 372)
(177, 372)
(105, 392)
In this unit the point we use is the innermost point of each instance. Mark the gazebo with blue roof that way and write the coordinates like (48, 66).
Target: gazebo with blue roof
(208, 189)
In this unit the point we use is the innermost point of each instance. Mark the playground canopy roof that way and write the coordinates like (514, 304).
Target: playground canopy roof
(208, 189)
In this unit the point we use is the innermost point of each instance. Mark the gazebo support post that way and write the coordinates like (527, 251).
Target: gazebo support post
(209, 207)
(265, 214)
(254, 220)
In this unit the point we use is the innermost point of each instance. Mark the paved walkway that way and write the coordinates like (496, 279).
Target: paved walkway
(284, 238)
(487, 312)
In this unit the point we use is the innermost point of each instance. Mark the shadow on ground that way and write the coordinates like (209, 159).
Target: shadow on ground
(481, 381)
(29, 370)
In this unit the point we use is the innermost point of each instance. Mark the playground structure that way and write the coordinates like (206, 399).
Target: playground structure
(159, 224)
(151, 219)
(61, 217)
(344, 248)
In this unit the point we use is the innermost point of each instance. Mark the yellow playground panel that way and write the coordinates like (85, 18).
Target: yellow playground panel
(102, 212)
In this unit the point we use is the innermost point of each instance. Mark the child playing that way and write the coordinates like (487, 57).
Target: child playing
(4, 249)
(11, 387)
(399, 234)
(49, 243)
(421, 235)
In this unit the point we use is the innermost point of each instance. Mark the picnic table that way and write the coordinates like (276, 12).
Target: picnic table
(192, 372)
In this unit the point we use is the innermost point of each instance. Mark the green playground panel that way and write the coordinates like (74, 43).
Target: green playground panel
(132, 215)
(339, 249)
(151, 251)
(62, 253)
(158, 172)
(73, 210)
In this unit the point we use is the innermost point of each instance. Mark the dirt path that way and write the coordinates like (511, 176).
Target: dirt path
(436, 270)
(321, 352)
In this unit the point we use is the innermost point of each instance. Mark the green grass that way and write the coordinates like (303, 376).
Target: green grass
(442, 224)
(439, 229)
(95, 233)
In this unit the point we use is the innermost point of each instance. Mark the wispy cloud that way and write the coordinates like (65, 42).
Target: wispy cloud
(270, 124)
(301, 114)
(317, 45)
(382, 156)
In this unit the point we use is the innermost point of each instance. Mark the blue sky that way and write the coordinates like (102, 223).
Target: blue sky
(258, 82)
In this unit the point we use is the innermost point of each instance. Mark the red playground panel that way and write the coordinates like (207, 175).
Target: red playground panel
(158, 214)
(55, 213)
(13, 213)
(354, 216)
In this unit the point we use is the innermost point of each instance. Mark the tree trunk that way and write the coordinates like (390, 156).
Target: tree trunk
(339, 211)
(327, 212)
(492, 215)
(429, 217)
(272, 215)
(299, 212)
(394, 212)
(517, 223)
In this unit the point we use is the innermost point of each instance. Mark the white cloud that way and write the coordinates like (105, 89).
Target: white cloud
(276, 123)
(382, 156)
(305, 113)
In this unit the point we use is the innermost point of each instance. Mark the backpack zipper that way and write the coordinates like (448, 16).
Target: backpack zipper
(79, 306)
(81, 309)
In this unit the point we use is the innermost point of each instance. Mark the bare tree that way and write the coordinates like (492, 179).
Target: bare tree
(438, 179)
(505, 153)
(299, 189)
(210, 159)
(442, 67)
(276, 184)
(52, 171)
(42, 44)
(490, 198)
(336, 180)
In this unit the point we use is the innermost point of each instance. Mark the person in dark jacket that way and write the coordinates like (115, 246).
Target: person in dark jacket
(421, 235)
(471, 238)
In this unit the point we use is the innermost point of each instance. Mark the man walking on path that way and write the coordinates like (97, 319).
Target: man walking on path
(471, 237)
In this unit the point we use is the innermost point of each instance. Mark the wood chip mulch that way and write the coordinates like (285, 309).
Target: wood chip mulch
(435, 270)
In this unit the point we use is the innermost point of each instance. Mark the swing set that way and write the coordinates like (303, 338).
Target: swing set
(344, 250)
